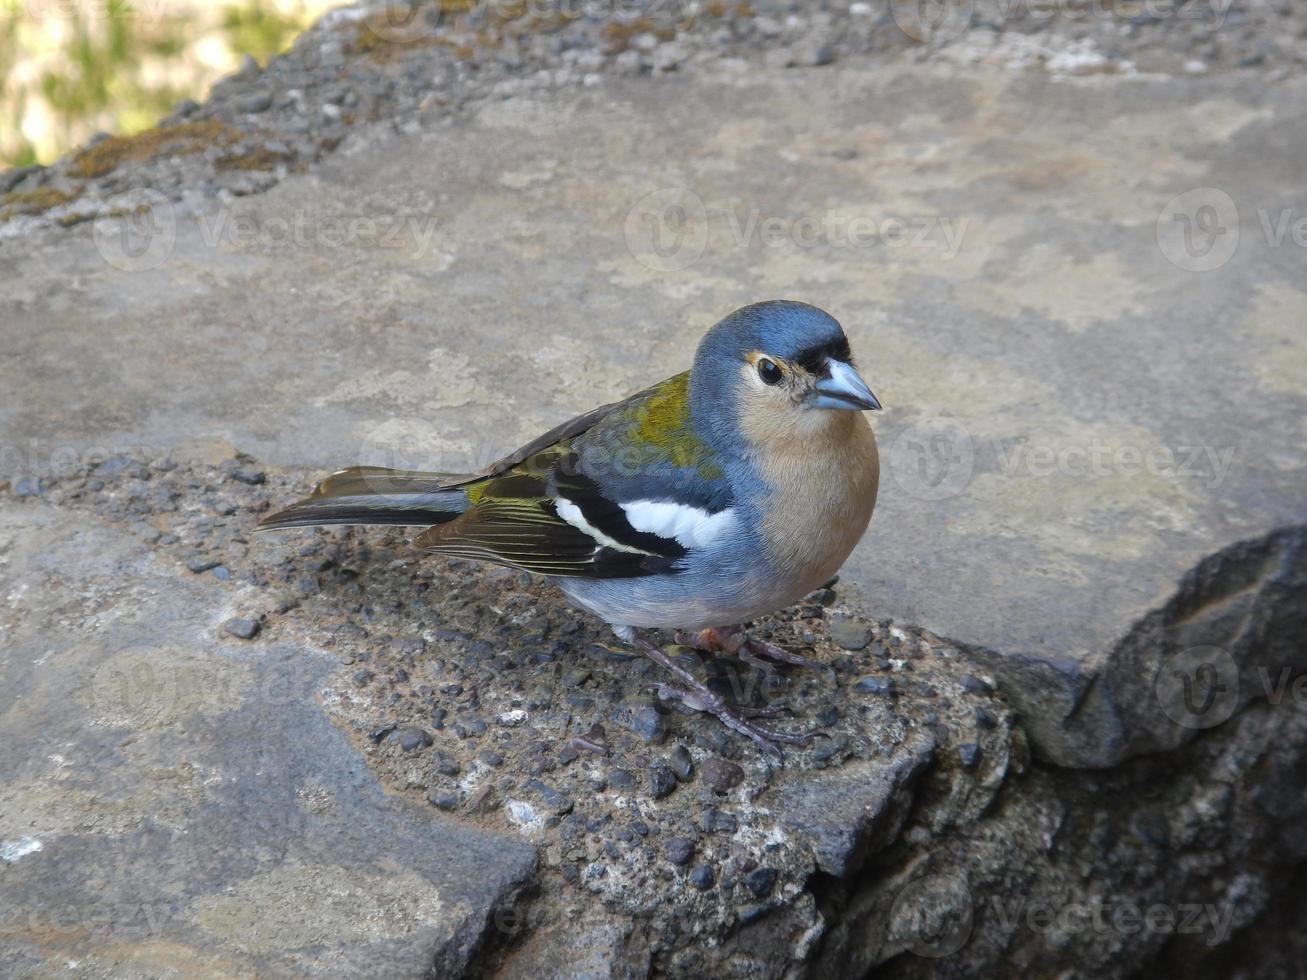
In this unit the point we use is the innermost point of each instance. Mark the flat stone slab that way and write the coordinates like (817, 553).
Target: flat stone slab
(174, 799)
(320, 753)
(1080, 300)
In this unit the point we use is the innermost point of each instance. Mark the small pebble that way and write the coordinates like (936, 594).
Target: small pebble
(643, 719)
(882, 686)
(442, 800)
(715, 821)
(828, 748)
(703, 877)
(661, 781)
(743, 862)
(201, 563)
(681, 763)
(559, 803)
(621, 779)
(258, 102)
(679, 850)
(251, 477)
(760, 881)
(362, 678)
(974, 685)
(245, 629)
(447, 766)
(720, 774)
(493, 759)
(414, 739)
(850, 635)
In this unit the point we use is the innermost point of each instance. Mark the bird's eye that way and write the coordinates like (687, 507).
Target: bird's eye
(769, 372)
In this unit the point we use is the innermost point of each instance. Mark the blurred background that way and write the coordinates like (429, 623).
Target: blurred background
(72, 68)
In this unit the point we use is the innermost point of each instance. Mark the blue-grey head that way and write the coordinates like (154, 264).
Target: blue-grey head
(773, 363)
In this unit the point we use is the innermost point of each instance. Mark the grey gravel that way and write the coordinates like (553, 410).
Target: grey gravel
(245, 629)
(872, 684)
(715, 821)
(442, 800)
(252, 478)
(703, 877)
(760, 881)
(558, 803)
(413, 739)
(679, 850)
(720, 774)
(850, 635)
(661, 781)
(681, 763)
(258, 102)
(341, 74)
(975, 685)
(643, 719)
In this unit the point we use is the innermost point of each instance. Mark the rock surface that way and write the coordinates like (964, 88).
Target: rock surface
(1066, 726)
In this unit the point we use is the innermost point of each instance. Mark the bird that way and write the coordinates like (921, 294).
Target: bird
(719, 495)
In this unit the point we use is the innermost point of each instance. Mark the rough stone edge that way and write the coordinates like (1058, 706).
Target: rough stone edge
(1247, 600)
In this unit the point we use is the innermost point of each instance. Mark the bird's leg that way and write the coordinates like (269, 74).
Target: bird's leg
(736, 641)
(697, 695)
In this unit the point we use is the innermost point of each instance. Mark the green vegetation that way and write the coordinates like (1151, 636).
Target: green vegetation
(71, 68)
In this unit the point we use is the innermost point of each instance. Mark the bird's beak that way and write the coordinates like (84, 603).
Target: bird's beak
(843, 388)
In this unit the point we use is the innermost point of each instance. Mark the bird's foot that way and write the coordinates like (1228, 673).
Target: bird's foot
(702, 699)
(734, 640)
(693, 693)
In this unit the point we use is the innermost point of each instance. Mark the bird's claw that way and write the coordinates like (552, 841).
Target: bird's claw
(735, 641)
(693, 693)
(706, 701)
(761, 649)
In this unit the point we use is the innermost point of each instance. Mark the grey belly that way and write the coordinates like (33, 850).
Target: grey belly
(695, 599)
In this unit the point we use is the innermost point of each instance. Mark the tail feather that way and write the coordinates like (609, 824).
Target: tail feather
(375, 495)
